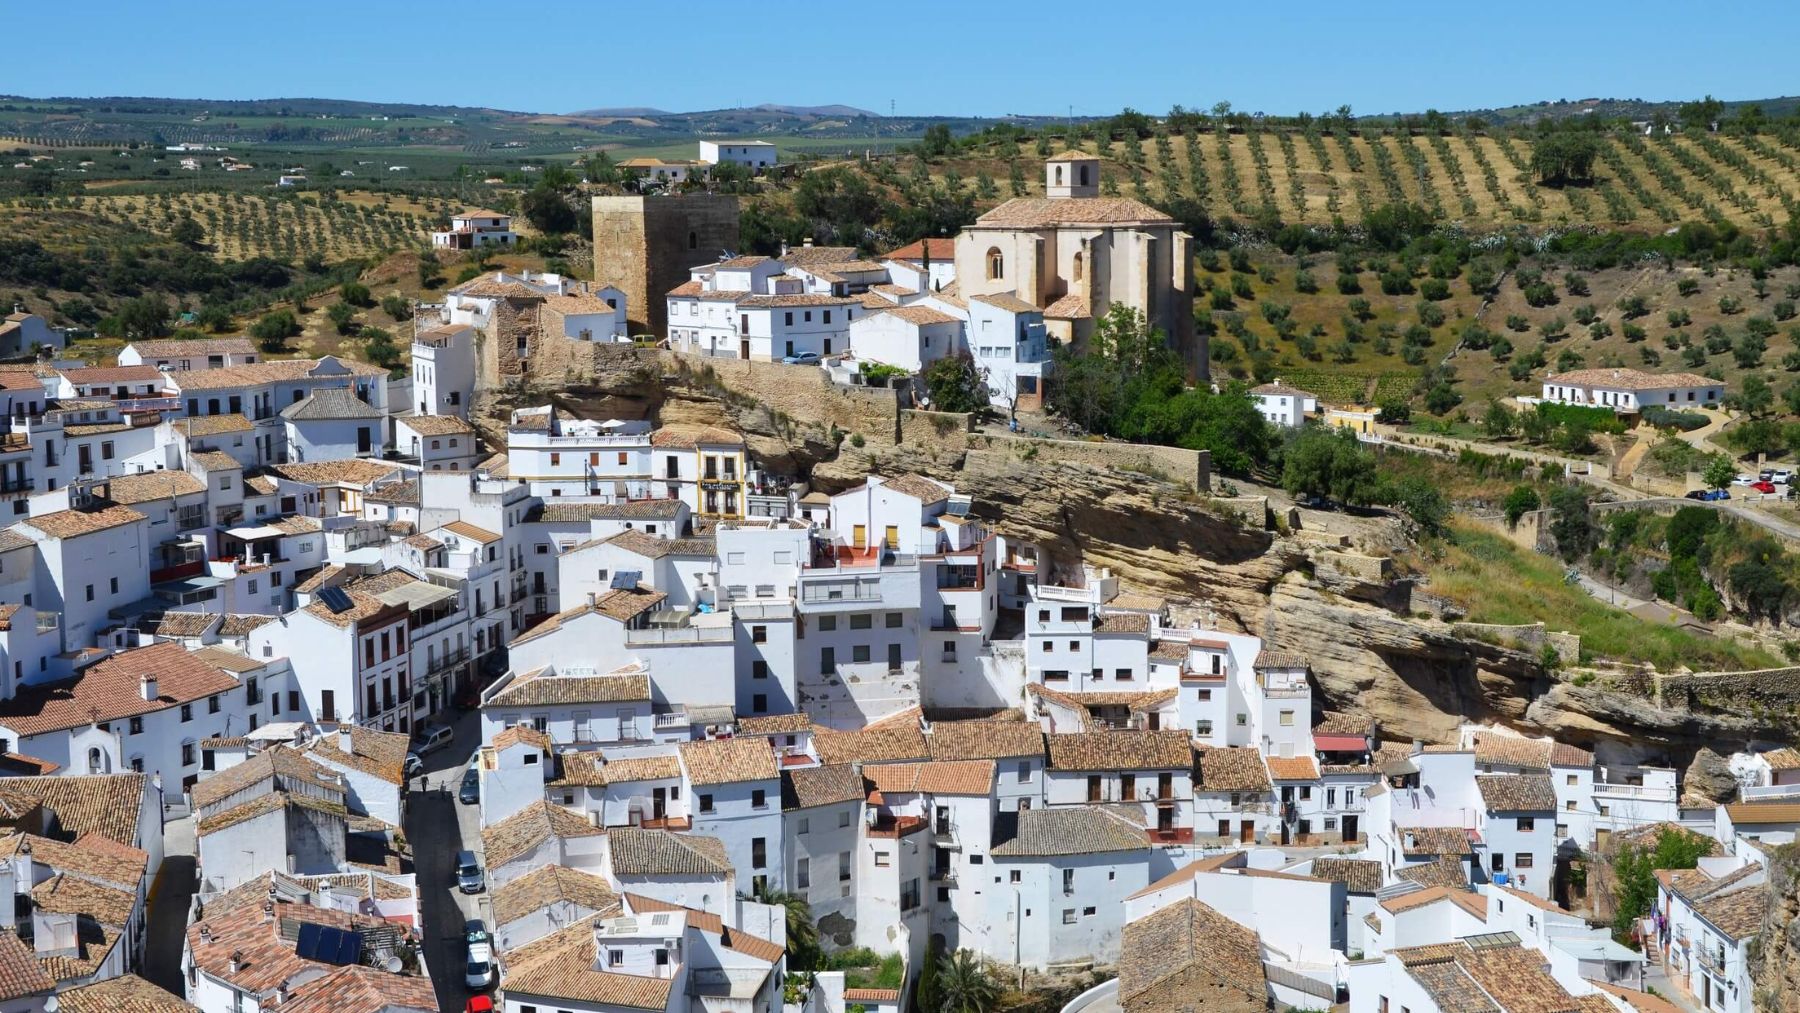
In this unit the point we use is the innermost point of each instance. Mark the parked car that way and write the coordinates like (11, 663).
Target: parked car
(1781, 476)
(475, 931)
(414, 764)
(801, 359)
(478, 973)
(1699, 494)
(468, 873)
(1743, 480)
(1765, 487)
(431, 738)
(1717, 494)
(479, 1004)
(470, 791)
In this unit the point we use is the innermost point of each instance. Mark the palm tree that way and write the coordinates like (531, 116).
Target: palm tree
(802, 935)
(964, 985)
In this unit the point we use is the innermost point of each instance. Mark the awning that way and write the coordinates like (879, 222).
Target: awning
(254, 532)
(416, 595)
(1341, 743)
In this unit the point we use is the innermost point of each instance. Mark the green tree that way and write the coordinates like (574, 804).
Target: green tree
(342, 316)
(548, 210)
(379, 346)
(1330, 464)
(964, 986)
(802, 935)
(1571, 524)
(188, 232)
(1426, 507)
(1634, 872)
(956, 384)
(1499, 420)
(1521, 500)
(147, 316)
(1754, 395)
(396, 306)
(273, 329)
(356, 294)
(937, 141)
(1718, 472)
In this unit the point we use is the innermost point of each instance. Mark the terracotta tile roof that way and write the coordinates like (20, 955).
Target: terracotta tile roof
(923, 489)
(356, 988)
(1172, 957)
(435, 425)
(71, 895)
(774, 724)
(1344, 724)
(1005, 301)
(1211, 863)
(147, 486)
(1232, 769)
(467, 530)
(1041, 212)
(553, 884)
(1517, 979)
(1629, 379)
(807, 256)
(212, 425)
(636, 852)
(1446, 872)
(828, 784)
(1120, 750)
(274, 371)
(264, 950)
(937, 777)
(127, 993)
(376, 753)
(75, 523)
(1122, 622)
(20, 973)
(917, 314)
(728, 761)
(573, 513)
(547, 687)
(1564, 754)
(1069, 307)
(91, 856)
(594, 769)
(1786, 758)
(86, 375)
(736, 940)
(110, 690)
(1763, 813)
(894, 738)
(1433, 840)
(521, 734)
(1420, 898)
(649, 546)
(562, 966)
(364, 608)
(330, 404)
(871, 995)
(942, 251)
(1643, 1002)
(280, 765)
(1280, 659)
(688, 436)
(1357, 875)
(1517, 792)
(177, 348)
(352, 471)
(214, 460)
(985, 739)
(531, 826)
(185, 624)
(1049, 833)
(105, 804)
(1293, 768)
(1512, 750)
(263, 805)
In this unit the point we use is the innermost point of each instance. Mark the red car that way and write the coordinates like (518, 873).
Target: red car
(479, 1004)
(1763, 487)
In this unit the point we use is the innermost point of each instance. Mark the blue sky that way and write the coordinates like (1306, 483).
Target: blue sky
(980, 57)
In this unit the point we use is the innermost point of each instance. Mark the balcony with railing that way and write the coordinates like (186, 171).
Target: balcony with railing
(1641, 792)
(1712, 959)
(1770, 791)
(441, 664)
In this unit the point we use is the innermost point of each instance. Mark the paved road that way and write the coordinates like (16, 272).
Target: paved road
(438, 826)
(171, 898)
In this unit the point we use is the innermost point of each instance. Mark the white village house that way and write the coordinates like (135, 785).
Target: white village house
(1630, 390)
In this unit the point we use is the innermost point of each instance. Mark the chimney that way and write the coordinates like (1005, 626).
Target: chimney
(237, 961)
(345, 743)
(205, 933)
(147, 685)
(268, 911)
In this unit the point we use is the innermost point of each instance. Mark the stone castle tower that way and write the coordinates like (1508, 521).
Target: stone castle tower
(644, 246)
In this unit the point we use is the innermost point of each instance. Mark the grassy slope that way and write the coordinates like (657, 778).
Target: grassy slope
(1501, 583)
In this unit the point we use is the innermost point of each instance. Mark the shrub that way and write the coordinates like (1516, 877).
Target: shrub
(1670, 418)
(1586, 314)
(1687, 287)
(1396, 283)
(1435, 289)
(1730, 304)
(1540, 294)
(1517, 322)
(1575, 284)
(1634, 306)
(356, 294)
(1348, 285)
(1635, 333)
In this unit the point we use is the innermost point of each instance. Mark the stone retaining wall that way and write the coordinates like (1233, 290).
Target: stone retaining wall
(1728, 690)
(803, 393)
(1532, 637)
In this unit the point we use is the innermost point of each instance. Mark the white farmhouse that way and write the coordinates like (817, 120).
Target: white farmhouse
(1629, 390)
(910, 337)
(755, 155)
(470, 229)
(1282, 405)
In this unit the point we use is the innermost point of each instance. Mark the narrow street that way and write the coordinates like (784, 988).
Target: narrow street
(438, 826)
(171, 898)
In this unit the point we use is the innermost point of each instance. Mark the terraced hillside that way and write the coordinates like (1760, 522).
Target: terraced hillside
(1481, 181)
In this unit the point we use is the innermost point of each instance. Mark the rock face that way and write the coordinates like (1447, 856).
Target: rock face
(1775, 960)
(1369, 650)
(1709, 777)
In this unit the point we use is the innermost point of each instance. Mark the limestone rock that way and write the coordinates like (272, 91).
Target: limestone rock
(1775, 959)
(1709, 777)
